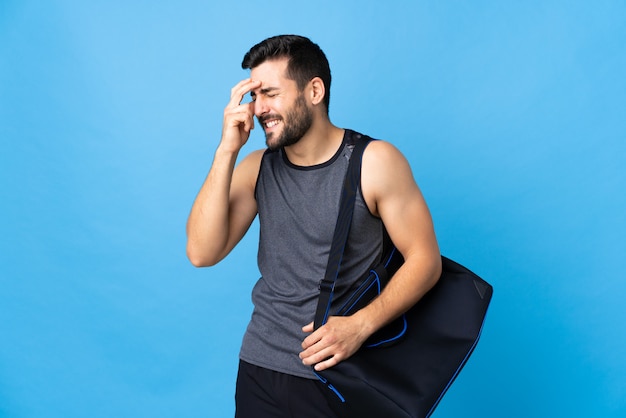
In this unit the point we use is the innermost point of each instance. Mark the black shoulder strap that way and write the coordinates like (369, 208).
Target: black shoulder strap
(342, 228)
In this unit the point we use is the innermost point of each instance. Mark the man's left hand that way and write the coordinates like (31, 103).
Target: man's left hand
(333, 342)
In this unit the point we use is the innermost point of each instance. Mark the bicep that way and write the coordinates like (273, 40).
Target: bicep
(398, 201)
(242, 202)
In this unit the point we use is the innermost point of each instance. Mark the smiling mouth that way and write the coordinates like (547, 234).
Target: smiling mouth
(271, 123)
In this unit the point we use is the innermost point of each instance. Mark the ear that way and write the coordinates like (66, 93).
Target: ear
(317, 90)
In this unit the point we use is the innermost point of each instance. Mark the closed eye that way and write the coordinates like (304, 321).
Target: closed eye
(269, 92)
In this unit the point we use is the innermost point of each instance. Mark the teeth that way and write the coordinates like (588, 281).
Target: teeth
(272, 123)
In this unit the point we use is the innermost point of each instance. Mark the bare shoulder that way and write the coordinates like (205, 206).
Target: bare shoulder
(391, 193)
(247, 170)
(385, 172)
(253, 159)
(383, 162)
(385, 155)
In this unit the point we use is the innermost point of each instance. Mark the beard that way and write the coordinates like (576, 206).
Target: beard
(296, 123)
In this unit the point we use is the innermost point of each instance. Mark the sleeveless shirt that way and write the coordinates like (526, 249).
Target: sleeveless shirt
(298, 208)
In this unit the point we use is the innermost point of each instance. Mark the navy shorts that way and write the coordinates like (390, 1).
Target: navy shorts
(263, 393)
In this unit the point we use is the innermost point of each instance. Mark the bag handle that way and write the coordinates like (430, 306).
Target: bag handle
(342, 228)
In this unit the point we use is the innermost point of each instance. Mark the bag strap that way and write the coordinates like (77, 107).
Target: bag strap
(342, 228)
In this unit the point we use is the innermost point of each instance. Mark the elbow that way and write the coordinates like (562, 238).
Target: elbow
(199, 258)
(434, 272)
(437, 269)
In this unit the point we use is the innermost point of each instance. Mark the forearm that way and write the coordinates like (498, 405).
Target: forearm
(396, 198)
(209, 220)
(342, 336)
(410, 283)
(225, 205)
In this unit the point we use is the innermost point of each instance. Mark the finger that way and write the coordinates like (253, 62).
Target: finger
(324, 357)
(327, 364)
(248, 124)
(311, 340)
(242, 88)
(246, 108)
(242, 114)
(308, 328)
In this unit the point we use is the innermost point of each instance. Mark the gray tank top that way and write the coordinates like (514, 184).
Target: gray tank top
(298, 208)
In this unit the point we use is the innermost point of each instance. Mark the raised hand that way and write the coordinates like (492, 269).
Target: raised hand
(238, 117)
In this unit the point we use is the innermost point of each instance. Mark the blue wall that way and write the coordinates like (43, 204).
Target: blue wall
(511, 114)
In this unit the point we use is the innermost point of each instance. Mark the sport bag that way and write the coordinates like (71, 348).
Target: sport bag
(405, 368)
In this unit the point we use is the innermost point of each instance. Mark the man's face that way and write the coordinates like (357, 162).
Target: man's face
(280, 107)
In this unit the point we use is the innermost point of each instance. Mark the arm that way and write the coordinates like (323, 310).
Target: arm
(391, 193)
(225, 206)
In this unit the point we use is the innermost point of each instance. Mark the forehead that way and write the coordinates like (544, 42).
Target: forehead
(271, 73)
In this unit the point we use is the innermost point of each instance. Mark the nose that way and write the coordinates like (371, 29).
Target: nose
(260, 106)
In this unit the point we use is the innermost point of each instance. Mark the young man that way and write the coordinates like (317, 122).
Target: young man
(294, 186)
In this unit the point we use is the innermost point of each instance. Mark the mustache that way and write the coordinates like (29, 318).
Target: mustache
(264, 118)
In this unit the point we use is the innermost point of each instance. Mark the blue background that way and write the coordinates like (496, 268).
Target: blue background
(511, 114)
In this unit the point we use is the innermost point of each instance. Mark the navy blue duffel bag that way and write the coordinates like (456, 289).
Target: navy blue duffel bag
(404, 369)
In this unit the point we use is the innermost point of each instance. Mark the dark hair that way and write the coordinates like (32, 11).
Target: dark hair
(306, 59)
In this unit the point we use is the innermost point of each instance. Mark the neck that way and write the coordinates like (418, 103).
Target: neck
(317, 146)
